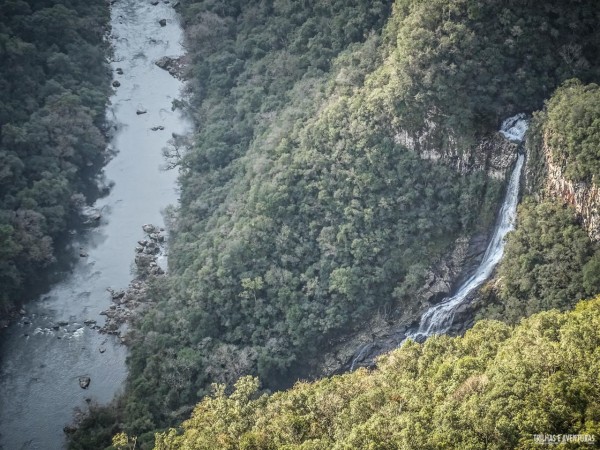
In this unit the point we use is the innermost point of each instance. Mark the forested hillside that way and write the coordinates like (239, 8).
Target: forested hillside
(550, 259)
(495, 388)
(302, 212)
(54, 83)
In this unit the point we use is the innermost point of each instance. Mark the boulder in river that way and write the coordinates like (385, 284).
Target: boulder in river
(174, 65)
(116, 83)
(116, 295)
(149, 228)
(84, 382)
(119, 71)
(141, 111)
(163, 22)
(157, 128)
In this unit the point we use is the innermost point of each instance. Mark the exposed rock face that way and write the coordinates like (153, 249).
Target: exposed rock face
(450, 271)
(584, 197)
(493, 154)
(175, 66)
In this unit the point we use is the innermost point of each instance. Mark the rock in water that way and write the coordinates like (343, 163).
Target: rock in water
(149, 228)
(84, 382)
(116, 84)
(163, 22)
(141, 111)
(175, 66)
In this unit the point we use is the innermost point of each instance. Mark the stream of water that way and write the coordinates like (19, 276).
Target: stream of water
(439, 318)
(40, 360)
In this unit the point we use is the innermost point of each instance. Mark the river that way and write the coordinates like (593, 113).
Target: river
(40, 366)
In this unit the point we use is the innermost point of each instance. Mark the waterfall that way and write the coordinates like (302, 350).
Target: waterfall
(438, 319)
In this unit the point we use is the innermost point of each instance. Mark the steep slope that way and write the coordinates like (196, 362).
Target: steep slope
(333, 167)
(331, 170)
(497, 387)
(553, 258)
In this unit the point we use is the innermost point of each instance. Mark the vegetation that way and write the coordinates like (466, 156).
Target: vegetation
(53, 65)
(467, 64)
(301, 214)
(572, 130)
(549, 262)
(494, 388)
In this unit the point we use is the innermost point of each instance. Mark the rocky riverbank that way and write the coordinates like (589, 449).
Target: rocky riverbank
(129, 302)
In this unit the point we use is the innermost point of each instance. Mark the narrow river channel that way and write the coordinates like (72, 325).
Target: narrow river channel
(41, 361)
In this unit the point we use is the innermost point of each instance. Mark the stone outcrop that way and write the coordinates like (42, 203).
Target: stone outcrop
(388, 329)
(493, 154)
(84, 382)
(584, 197)
(127, 303)
(175, 66)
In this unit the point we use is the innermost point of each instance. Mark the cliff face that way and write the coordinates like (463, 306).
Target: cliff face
(584, 197)
(493, 154)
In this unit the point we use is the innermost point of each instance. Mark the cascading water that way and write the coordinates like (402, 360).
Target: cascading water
(438, 319)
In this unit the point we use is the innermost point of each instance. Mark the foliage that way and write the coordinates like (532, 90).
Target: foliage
(53, 65)
(300, 212)
(494, 388)
(572, 130)
(549, 262)
(466, 64)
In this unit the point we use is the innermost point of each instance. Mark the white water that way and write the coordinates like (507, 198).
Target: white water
(438, 319)
(514, 128)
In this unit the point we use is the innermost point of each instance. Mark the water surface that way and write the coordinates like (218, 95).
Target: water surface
(40, 366)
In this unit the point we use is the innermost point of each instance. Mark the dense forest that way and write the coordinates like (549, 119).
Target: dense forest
(310, 203)
(497, 387)
(55, 85)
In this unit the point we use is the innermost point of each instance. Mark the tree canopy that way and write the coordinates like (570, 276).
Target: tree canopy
(301, 213)
(497, 387)
(56, 81)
